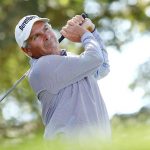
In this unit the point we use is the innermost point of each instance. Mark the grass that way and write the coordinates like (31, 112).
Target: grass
(123, 138)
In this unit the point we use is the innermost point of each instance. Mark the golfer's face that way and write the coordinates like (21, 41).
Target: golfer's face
(42, 40)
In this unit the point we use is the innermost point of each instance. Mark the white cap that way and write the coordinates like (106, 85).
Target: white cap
(24, 27)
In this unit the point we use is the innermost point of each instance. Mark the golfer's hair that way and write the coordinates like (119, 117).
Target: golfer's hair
(25, 44)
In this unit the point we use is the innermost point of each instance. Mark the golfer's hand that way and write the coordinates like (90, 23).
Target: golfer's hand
(88, 24)
(73, 30)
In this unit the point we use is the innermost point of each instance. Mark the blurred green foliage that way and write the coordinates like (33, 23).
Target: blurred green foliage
(129, 132)
(134, 137)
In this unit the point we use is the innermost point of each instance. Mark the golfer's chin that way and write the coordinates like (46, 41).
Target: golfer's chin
(48, 52)
(51, 48)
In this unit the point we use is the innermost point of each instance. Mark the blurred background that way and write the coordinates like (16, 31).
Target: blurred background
(124, 26)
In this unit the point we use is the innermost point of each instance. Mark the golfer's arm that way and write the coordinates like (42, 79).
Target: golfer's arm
(65, 70)
(103, 69)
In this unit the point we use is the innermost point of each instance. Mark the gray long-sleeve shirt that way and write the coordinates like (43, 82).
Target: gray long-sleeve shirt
(68, 91)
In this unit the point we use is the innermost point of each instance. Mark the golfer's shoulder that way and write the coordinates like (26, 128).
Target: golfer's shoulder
(47, 59)
(42, 66)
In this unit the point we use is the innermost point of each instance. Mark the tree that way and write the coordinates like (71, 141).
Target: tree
(142, 79)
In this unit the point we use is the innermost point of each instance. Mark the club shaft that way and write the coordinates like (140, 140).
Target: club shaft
(14, 86)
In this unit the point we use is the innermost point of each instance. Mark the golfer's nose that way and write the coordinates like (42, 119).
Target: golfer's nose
(46, 36)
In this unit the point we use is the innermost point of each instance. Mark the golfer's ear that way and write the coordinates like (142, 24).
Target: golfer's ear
(27, 51)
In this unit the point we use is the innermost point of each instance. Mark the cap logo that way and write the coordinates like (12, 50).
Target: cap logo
(25, 22)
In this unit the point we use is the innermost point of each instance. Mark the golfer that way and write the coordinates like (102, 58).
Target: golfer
(66, 84)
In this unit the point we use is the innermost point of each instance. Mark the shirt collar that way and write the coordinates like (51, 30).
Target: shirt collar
(63, 53)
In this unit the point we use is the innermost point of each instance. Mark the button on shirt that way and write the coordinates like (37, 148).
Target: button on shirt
(67, 89)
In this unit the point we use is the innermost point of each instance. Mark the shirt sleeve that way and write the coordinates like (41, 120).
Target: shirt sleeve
(56, 72)
(104, 68)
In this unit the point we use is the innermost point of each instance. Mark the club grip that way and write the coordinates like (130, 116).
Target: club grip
(84, 15)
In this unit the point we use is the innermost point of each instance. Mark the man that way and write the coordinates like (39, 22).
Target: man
(66, 85)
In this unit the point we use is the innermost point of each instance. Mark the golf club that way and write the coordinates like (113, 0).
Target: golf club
(84, 15)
